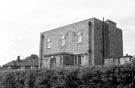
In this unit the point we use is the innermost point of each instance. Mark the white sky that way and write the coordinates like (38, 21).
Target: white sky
(21, 21)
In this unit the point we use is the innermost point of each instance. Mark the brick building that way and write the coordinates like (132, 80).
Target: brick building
(85, 43)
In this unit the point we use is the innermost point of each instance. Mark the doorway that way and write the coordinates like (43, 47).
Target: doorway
(53, 62)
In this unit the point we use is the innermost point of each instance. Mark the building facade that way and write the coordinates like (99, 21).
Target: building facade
(85, 43)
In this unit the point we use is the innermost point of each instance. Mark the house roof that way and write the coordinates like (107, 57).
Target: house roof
(24, 62)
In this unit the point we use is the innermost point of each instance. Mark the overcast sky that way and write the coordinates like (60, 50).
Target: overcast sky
(21, 21)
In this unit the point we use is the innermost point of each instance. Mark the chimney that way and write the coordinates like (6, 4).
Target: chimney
(127, 55)
(18, 59)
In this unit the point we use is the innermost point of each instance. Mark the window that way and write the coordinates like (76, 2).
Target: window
(49, 43)
(83, 62)
(75, 60)
(63, 41)
(79, 37)
(79, 59)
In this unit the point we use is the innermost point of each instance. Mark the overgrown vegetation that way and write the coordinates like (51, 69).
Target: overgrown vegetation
(122, 76)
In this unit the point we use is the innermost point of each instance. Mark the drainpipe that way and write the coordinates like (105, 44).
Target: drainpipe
(103, 34)
(41, 51)
(89, 45)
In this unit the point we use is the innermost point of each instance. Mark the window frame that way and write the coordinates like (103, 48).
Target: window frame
(63, 40)
(79, 37)
(48, 43)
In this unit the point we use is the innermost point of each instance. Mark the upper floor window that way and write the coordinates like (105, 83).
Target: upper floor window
(48, 43)
(79, 37)
(63, 41)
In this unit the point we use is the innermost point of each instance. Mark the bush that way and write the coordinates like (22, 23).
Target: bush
(72, 77)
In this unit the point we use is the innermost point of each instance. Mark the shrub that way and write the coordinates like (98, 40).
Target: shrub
(122, 76)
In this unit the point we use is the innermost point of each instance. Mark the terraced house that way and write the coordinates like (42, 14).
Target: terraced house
(85, 43)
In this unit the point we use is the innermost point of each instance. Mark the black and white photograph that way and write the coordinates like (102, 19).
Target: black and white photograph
(67, 44)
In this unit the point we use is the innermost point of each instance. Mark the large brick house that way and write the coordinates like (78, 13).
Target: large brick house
(85, 43)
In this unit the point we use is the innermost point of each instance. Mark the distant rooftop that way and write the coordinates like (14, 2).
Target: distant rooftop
(24, 62)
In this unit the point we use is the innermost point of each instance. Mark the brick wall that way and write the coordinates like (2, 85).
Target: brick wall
(98, 42)
(115, 40)
(70, 33)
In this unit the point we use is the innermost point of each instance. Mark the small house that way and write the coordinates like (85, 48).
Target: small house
(24, 64)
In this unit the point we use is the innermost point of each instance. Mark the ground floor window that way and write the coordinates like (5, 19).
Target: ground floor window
(79, 59)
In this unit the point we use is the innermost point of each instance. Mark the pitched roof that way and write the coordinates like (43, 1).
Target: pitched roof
(25, 62)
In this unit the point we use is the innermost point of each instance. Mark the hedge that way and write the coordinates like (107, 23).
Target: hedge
(122, 76)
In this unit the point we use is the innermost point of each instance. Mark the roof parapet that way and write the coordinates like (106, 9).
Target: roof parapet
(110, 22)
